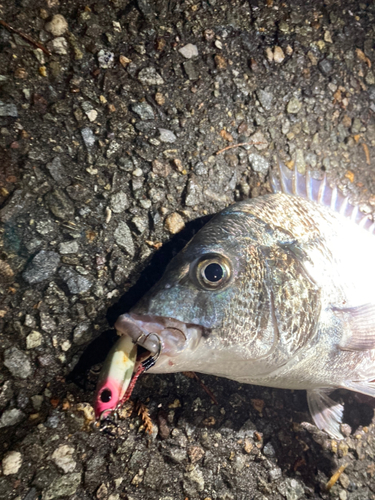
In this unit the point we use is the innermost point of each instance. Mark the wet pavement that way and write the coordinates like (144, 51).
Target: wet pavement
(123, 126)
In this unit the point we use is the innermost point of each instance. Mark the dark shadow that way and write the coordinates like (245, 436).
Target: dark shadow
(98, 349)
(155, 269)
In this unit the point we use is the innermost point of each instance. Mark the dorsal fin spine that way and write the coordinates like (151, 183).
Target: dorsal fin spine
(291, 182)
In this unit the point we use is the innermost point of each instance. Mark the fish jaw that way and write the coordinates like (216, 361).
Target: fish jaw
(171, 341)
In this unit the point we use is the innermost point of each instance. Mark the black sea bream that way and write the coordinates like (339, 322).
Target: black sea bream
(276, 291)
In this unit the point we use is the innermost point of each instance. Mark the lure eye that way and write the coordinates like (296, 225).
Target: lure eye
(106, 396)
(213, 272)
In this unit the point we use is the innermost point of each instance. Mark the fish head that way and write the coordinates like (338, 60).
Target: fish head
(214, 308)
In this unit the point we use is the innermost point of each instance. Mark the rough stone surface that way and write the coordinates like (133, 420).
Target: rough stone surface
(62, 486)
(8, 109)
(189, 50)
(11, 417)
(57, 26)
(149, 76)
(59, 46)
(88, 137)
(42, 267)
(34, 339)
(17, 362)
(166, 135)
(124, 239)
(11, 463)
(259, 163)
(174, 223)
(143, 110)
(68, 247)
(294, 106)
(63, 458)
(119, 202)
(81, 154)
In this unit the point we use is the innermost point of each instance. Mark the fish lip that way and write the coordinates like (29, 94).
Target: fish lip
(158, 333)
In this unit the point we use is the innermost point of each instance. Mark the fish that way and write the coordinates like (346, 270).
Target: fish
(276, 291)
(115, 377)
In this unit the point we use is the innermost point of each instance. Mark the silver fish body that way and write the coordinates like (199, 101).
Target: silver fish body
(276, 291)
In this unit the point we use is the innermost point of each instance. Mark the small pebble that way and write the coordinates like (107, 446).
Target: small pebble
(325, 67)
(167, 135)
(8, 109)
(88, 137)
(143, 110)
(278, 55)
(258, 163)
(11, 417)
(17, 362)
(189, 51)
(119, 202)
(149, 76)
(57, 26)
(174, 223)
(92, 115)
(11, 462)
(294, 106)
(106, 58)
(124, 239)
(63, 458)
(162, 169)
(42, 267)
(59, 46)
(34, 339)
(159, 98)
(68, 247)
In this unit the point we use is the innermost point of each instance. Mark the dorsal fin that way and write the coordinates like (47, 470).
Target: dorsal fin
(293, 183)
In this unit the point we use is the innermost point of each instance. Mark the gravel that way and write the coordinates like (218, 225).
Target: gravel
(114, 151)
(42, 267)
(143, 110)
(123, 238)
(17, 362)
(57, 26)
(11, 463)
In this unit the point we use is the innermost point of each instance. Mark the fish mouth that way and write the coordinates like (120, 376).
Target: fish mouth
(160, 337)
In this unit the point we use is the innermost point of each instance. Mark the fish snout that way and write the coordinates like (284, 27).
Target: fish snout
(158, 334)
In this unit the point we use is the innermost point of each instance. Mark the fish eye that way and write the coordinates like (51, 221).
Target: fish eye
(106, 396)
(213, 272)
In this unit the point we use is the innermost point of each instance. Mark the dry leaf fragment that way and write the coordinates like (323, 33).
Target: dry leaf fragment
(258, 405)
(226, 135)
(367, 153)
(335, 477)
(6, 273)
(350, 175)
(362, 57)
(142, 411)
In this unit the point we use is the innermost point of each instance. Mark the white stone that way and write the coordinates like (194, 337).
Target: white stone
(12, 462)
(63, 458)
(66, 345)
(59, 46)
(34, 339)
(92, 115)
(278, 55)
(57, 26)
(189, 51)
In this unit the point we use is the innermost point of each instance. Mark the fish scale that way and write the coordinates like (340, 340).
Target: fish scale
(277, 291)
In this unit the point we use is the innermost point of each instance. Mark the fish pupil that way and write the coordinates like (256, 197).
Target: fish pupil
(106, 396)
(213, 272)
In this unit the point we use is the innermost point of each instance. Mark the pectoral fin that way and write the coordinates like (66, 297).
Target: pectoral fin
(358, 327)
(326, 413)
